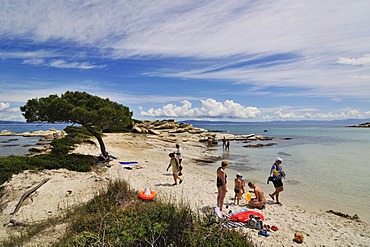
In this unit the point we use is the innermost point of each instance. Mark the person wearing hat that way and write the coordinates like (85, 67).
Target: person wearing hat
(278, 174)
(238, 188)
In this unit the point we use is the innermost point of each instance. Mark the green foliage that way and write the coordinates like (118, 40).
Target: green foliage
(78, 107)
(119, 218)
(92, 112)
(59, 158)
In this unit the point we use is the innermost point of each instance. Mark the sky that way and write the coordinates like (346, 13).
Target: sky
(234, 60)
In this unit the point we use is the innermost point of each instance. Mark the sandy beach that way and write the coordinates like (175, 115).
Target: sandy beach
(66, 189)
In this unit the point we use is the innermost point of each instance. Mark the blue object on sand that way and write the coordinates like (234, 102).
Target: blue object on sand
(263, 233)
(128, 162)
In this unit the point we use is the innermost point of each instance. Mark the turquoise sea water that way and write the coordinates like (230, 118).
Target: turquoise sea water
(327, 166)
(15, 145)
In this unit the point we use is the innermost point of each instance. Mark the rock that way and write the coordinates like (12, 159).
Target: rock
(6, 133)
(154, 132)
(136, 129)
(38, 149)
(257, 145)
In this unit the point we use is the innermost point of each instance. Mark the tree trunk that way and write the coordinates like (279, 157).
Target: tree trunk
(100, 140)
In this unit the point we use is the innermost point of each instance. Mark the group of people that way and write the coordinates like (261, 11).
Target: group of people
(175, 163)
(259, 201)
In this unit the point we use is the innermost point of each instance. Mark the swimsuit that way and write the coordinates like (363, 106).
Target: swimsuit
(236, 190)
(219, 181)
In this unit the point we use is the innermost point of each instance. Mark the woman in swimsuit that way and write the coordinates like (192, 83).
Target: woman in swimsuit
(221, 183)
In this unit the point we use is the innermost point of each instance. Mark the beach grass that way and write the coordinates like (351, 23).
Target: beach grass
(118, 217)
(58, 158)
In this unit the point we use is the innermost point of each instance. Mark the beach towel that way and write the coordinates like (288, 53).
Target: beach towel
(129, 165)
(128, 162)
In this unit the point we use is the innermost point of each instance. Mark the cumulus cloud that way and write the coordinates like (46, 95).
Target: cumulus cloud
(4, 106)
(209, 108)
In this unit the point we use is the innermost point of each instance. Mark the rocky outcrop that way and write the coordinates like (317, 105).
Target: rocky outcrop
(170, 126)
(361, 125)
(258, 145)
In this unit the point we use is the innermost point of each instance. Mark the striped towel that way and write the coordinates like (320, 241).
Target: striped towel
(228, 223)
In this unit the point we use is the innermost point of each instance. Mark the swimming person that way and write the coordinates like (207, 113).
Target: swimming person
(259, 201)
(221, 183)
(278, 175)
(175, 164)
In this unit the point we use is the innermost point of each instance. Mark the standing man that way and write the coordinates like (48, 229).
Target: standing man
(179, 157)
(278, 175)
(224, 143)
(178, 153)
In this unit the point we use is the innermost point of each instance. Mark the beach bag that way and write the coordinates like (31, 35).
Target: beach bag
(255, 222)
(270, 179)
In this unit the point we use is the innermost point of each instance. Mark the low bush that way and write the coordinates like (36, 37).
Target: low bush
(119, 218)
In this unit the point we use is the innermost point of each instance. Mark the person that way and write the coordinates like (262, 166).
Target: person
(209, 141)
(227, 145)
(277, 174)
(224, 143)
(175, 164)
(259, 201)
(221, 184)
(238, 188)
(243, 184)
(178, 153)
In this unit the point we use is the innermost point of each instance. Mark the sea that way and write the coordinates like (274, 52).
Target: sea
(327, 165)
(19, 145)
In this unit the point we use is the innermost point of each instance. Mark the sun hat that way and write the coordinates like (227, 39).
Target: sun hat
(239, 175)
(279, 159)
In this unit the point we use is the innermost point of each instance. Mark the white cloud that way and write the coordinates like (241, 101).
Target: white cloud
(73, 65)
(364, 60)
(34, 61)
(209, 108)
(4, 106)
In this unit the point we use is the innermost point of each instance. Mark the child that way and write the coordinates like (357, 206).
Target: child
(238, 188)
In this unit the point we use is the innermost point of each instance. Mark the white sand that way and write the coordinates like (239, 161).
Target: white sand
(67, 188)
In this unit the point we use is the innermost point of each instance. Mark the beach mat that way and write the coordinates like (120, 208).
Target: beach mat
(128, 162)
(129, 165)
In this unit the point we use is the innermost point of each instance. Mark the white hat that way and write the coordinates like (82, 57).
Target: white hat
(279, 159)
(239, 175)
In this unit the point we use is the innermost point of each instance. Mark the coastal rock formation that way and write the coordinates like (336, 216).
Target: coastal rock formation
(170, 126)
(258, 145)
(361, 125)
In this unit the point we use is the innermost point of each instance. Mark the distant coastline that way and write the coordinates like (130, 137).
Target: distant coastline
(361, 125)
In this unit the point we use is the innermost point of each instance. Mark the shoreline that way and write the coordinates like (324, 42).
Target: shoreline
(198, 190)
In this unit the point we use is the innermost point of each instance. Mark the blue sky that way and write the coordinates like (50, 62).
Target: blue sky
(234, 60)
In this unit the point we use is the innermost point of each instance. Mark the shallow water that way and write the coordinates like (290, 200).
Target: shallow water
(327, 167)
(19, 145)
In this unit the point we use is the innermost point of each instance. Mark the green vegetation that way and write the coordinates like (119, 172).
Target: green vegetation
(119, 218)
(59, 158)
(97, 115)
